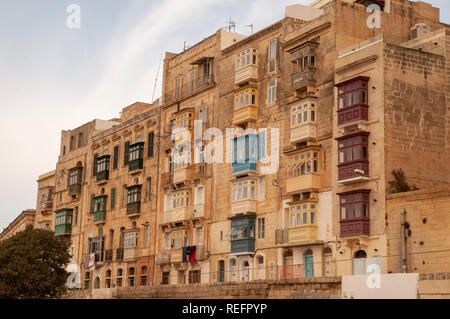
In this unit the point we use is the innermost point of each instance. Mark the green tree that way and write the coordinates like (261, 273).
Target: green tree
(32, 265)
(399, 184)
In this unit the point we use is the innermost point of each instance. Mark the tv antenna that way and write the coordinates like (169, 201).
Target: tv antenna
(185, 46)
(156, 80)
(250, 26)
(231, 25)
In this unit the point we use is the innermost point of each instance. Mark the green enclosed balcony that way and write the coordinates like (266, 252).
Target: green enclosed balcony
(63, 222)
(102, 168)
(99, 211)
(242, 234)
(136, 161)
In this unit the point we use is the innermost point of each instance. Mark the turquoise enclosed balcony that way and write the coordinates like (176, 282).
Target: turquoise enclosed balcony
(245, 154)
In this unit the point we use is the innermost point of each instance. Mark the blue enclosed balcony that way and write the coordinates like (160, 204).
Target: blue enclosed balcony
(242, 234)
(245, 154)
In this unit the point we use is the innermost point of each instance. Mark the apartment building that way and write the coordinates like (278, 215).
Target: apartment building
(44, 204)
(268, 156)
(20, 223)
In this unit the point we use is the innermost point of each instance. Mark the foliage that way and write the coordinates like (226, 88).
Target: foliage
(32, 265)
(399, 184)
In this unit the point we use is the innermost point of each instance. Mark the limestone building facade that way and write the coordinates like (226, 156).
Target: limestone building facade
(267, 156)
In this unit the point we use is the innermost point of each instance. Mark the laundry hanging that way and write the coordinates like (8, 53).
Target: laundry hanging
(192, 254)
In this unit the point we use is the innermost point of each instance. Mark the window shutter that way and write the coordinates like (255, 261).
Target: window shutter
(113, 198)
(262, 144)
(151, 137)
(125, 160)
(92, 203)
(116, 157)
(95, 165)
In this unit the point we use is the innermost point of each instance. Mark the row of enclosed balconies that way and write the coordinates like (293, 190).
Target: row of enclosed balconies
(176, 255)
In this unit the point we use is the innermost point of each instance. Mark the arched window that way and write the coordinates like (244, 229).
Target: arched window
(131, 271)
(97, 283)
(119, 277)
(360, 254)
(108, 279)
(144, 278)
(148, 189)
(260, 260)
(327, 251)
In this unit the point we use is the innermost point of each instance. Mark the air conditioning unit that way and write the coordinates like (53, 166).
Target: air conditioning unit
(418, 30)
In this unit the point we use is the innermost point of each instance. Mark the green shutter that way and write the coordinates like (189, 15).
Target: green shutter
(116, 157)
(95, 165)
(113, 198)
(127, 146)
(151, 137)
(92, 203)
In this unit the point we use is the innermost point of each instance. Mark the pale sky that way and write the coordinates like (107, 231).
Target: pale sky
(55, 78)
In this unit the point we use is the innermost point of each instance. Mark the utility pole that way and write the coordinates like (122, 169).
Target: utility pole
(403, 241)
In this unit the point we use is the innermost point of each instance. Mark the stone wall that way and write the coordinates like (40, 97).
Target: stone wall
(279, 289)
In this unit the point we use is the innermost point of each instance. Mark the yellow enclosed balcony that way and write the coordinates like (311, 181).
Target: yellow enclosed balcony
(181, 175)
(181, 213)
(245, 105)
(176, 255)
(303, 120)
(302, 234)
(243, 206)
(246, 66)
(302, 173)
(303, 182)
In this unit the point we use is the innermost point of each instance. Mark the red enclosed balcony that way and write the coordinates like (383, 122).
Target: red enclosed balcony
(354, 211)
(353, 104)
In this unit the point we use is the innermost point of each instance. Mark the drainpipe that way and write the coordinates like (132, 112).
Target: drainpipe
(403, 241)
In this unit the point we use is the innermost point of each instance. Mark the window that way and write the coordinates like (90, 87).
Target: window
(64, 150)
(354, 205)
(76, 216)
(135, 151)
(80, 140)
(126, 153)
(130, 240)
(261, 228)
(245, 58)
(302, 214)
(183, 120)
(245, 97)
(179, 239)
(116, 157)
(202, 114)
(131, 274)
(134, 194)
(146, 235)
(262, 187)
(199, 236)
(272, 56)
(352, 93)
(303, 59)
(245, 149)
(194, 276)
(100, 204)
(151, 142)
(102, 164)
(95, 165)
(113, 198)
(180, 199)
(75, 176)
(178, 80)
(148, 189)
(119, 277)
(353, 148)
(303, 114)
(242, 228)
(303, 164)
(262, 143)
(271, 92)
(200, 195)
(72, 143)
(168, 202)
(243, 190)
(144, 278)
